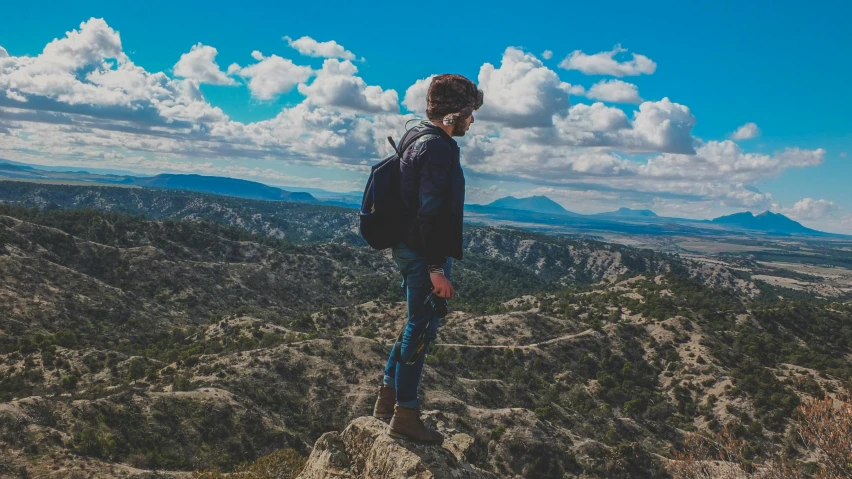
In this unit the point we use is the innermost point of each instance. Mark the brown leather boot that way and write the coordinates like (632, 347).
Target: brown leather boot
(406, 424)
(385, 402)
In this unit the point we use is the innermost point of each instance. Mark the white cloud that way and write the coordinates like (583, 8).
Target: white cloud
(3, 53)
(86, 72)
(615, 91)
(83, 101)
(522, 92)
(415, 96)
(811, 209)
(93, 43)
(595, 118)
(724, 161)
(200, 65)
(547, 55)
(271, 76)
(746, 132)
(604, 63)
(820, 214)
(717, 171)
(310, 47)
(662, 126)
(337, 86)
(843, 154)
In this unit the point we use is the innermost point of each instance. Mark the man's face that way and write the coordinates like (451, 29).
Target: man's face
(459, 129)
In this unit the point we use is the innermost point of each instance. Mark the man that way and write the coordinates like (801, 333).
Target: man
(432, 188)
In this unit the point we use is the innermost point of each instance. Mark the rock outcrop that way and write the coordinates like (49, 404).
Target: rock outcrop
(364, 451)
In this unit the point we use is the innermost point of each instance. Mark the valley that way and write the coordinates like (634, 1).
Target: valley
(155, 333)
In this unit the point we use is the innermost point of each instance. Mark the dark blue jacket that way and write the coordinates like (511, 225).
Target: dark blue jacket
(432, 187)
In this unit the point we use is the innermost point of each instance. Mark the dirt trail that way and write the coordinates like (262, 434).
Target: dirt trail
(524, 346)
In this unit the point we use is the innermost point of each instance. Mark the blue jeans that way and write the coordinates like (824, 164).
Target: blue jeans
(416, 286)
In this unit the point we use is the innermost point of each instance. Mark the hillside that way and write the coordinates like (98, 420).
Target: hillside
(535, 262)
(133, 345)
(278, 219)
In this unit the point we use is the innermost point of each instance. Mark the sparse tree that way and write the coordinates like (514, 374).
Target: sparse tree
(135, 370)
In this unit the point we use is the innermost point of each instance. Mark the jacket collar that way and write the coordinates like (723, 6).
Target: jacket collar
(443, 134)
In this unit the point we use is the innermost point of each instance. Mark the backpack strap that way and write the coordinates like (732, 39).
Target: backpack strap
(406, 141)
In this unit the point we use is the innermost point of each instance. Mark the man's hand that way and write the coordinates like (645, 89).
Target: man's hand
(441, 286)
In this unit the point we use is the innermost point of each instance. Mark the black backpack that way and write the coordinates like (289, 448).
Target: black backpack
(383, 215)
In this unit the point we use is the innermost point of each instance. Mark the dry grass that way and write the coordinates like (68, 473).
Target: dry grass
(825, 425)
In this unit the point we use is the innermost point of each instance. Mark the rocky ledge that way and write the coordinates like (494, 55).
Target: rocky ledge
(364, 451)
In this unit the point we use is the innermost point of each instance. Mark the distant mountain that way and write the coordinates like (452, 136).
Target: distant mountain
(627, 212)
(767, 222)
(68, 169)
(222, 186)
(14, 167)
(534, 210)
(539, 204)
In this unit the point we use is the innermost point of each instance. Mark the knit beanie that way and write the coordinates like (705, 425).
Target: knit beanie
(452, 98)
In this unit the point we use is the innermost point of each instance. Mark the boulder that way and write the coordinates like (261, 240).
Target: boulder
(365, 451)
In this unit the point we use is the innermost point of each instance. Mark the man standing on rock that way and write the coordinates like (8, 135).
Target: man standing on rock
(432, 188)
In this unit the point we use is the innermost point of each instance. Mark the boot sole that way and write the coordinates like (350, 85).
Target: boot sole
(382, 415)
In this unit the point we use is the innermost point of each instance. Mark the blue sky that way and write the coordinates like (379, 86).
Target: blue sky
(779, 65)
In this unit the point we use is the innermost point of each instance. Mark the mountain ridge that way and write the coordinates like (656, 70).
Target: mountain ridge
(538, 204)
(629, 212)
(767, 221)
(223, 186)
(533, 210)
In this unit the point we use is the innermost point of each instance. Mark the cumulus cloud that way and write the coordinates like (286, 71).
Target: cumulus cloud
(94, 42)
(83, 97)
(718, 171)
(82, 100)
(725, 161)
(336, 85)
(200, 65)
(271, 76)
(310, 47)
(3, 53)
(614, 91)
(547, 55)
(522, 92)
(415, 96)
(662, 126)
(811, 209)
(86, 72)
(746, 132)
(604, 63)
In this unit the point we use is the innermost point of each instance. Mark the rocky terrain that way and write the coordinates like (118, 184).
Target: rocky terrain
(139, 348)
(364, 450)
